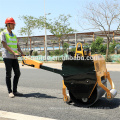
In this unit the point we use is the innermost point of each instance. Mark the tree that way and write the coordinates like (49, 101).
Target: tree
(60, 27)
(102, 16)
(65, 46)
(31, 23)
(53, 43)
(40, 22)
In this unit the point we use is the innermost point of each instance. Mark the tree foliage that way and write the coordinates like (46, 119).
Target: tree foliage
(61, 27)
(98, 47)
(112, 47)
(30, 25)
(66, 46)
(40, 22)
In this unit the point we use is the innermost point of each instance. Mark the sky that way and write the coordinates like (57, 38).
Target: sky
(16, 8)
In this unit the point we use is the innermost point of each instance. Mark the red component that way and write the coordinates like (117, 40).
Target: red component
(10, 20)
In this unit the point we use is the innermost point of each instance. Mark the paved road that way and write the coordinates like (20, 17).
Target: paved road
(43, 97)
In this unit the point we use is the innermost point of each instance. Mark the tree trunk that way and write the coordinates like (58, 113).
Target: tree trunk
(62, 44)
(53, 47)
(27, 44)
(59, 43)
(26, 48)
(107, 50)
(30, 43)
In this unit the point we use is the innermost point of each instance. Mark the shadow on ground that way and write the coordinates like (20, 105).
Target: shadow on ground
(38, 95)
(102, 103)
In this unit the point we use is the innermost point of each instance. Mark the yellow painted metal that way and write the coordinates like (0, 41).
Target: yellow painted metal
(65, 97)
(100, 68)
(31, 62)
(80, 52)
(110, 81)
(92, 90)
(101, 71)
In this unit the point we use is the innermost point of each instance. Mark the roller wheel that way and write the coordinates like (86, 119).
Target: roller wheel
(85, 102)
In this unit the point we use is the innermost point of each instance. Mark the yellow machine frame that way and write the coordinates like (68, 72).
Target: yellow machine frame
(101, 71)
(100, 68)
(80, 52)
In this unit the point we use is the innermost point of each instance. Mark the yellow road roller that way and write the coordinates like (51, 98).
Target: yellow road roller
(84, 76)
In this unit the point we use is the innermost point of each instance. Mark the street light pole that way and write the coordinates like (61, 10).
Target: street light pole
(45, 33)
(75, 33)
(75, 39)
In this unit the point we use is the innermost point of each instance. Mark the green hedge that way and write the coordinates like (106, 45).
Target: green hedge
(98, 47)
(56, 52)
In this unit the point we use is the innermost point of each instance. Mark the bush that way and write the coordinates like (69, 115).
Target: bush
(102, 49)
(0, 53)
(73, 50)
(86, 45)
(65, 46)
(1, 59)
(42, 53)
(56, 52)
(35, 53)
(109, 59)
(93, 48)
(112, 47)
(26, 53)
(51, 53)
(97, 46)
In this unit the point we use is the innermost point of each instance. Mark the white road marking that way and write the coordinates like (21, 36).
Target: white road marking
(17, 116)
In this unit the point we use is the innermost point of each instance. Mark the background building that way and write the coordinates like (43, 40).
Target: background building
(37, 43)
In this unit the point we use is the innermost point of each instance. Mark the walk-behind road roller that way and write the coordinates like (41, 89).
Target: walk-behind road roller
(84, 77)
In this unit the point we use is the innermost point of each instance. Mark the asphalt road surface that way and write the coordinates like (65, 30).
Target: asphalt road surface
(43, 97)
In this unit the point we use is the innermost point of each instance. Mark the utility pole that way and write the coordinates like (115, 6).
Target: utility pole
(45, 33)
(75, 40)
(75, 33)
